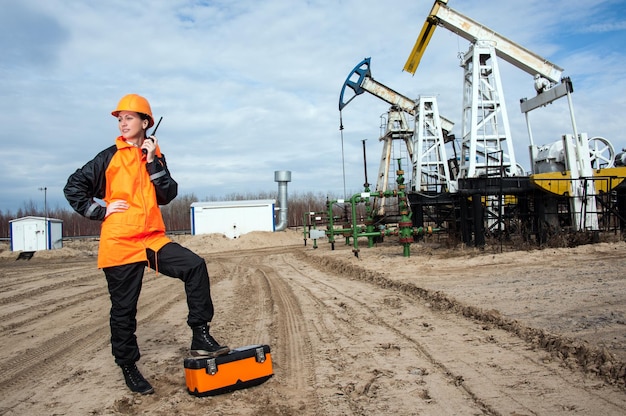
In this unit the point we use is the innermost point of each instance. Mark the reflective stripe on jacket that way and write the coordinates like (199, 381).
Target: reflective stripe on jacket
(120, 172)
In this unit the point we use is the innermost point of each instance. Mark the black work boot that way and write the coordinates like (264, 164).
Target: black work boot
(204, 345)
(134, 379)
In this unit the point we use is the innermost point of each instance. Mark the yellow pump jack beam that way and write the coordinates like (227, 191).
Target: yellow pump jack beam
(422, 40)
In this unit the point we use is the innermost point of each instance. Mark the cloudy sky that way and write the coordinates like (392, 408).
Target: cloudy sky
(248, 87)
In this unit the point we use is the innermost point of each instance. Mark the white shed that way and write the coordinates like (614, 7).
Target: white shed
(36, 233)
(232, 218)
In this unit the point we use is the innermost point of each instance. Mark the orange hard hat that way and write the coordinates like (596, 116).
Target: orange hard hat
(136, 103)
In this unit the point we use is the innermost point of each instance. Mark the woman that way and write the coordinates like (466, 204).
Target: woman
(132, 179)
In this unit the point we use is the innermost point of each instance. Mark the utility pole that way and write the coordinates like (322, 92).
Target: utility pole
(45, 210)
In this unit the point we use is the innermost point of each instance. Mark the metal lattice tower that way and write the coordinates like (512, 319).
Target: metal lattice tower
(397, 128)
(430, 163)
(487, 148)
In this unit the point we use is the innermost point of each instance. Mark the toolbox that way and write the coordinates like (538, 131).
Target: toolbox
(239, 369)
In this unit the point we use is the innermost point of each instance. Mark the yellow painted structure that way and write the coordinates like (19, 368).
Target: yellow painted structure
(560, 183)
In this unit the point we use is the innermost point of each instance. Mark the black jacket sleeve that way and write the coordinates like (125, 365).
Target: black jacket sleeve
(87, 183)
(165, 186)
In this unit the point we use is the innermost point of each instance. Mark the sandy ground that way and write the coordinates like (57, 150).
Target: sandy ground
(442, 332)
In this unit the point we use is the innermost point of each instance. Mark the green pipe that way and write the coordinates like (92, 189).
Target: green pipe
(331, 232)
(405, 229)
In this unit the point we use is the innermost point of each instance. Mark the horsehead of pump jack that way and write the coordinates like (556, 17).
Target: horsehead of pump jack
(282, 177)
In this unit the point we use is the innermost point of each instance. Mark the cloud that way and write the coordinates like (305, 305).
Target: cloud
(23, 47)
(605, 27)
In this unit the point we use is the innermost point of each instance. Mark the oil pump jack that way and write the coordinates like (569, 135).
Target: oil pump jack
(487, 148)
(489, 175)
(424, 140)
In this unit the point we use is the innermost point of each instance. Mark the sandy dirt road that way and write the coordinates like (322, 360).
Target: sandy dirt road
(443, 332)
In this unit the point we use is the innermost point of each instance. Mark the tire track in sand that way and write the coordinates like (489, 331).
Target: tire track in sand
(359, 310)
(293, 348)
(48, 307)
(38, 363)
(351, 364)
(492, 361)
(252, 286)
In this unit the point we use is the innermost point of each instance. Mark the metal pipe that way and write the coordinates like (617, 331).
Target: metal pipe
(366, 185)
(282, 177)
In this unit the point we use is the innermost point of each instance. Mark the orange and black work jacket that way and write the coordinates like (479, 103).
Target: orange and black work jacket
(122, 173)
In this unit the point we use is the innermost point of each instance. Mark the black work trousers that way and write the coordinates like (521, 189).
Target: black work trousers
(124, 283)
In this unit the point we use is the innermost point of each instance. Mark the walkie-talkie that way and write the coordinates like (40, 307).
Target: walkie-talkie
(144, 151)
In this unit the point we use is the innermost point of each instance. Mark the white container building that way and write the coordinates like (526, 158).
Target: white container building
(36, 233)
(232, 218)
